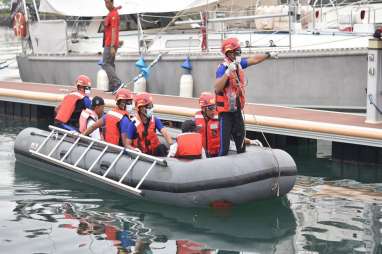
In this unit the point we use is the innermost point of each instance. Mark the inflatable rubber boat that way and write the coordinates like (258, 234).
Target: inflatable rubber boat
(260, 173)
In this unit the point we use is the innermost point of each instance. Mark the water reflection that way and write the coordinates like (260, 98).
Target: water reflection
(130, 224)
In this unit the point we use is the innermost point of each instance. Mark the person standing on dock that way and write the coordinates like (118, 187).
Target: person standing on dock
(208, 124)
(115, 122)
(69, 111)
(142, 130)
(230, 93)
(89, 117)
(111, 44)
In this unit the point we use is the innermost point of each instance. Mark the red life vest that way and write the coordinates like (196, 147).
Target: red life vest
(209, 129)
(112, 119)
(147, 141)
(233, 93)
(190, 247)
(189, 145)
(84, 118)
(67, 107)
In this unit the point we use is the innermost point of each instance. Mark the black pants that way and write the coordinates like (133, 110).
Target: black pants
(231, 125)
(161, 151)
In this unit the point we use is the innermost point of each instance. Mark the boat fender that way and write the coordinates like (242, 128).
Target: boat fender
(186, 85)
(19, 25)
(102, 80)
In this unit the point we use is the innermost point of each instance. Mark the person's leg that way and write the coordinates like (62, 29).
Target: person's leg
(238, 132)
(225, 121)
(109, 67)
(161, 151)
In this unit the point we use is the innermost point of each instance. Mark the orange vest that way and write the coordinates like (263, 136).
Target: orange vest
(84, 117)
(68, 106)
(189, 145)
(147, 141)
(209, 129)
(233, 93)
(112, 119)
(190, 247)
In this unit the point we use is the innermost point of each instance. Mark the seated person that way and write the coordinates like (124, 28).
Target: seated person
(116, 121)
(89, 117)
(141, 134)
(188, 144)
(69, 111)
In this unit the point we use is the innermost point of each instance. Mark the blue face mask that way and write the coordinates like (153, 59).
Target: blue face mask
(149, 112)
(129, 108)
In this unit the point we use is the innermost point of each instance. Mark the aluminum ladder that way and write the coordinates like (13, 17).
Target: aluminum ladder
(103, 178)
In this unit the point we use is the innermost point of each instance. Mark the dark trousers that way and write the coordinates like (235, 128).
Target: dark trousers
(109, 67)
(161, 151)
(231, 125)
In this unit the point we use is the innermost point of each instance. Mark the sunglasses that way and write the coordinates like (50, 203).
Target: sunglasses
(211, 107)
(126, 102)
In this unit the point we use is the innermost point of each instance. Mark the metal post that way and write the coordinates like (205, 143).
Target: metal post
(25, 10)
(374, 82)
(290, 24)
(35, 7)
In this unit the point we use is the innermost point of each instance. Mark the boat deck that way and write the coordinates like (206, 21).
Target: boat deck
(316, 124)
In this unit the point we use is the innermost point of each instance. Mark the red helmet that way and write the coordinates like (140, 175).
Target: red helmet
(230, 44)
(143, 99)
(206, 99)
(83, 80)
(124, 94)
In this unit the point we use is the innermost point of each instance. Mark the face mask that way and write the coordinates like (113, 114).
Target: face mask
(149, 112)
(87, 91)
(238, 59)
(129, 108)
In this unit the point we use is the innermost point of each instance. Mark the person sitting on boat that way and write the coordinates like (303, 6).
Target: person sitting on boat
(69, 111)
(208, 124)
(189, 144)
(230, 93)
(115, 122)
(89, 117)
(142, 130)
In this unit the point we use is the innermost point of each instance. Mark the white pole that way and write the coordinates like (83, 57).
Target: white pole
(25, 10)
(35, 7)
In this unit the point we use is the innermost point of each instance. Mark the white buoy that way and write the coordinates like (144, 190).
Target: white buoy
(140, 85)
(186, 85)
(102, 80)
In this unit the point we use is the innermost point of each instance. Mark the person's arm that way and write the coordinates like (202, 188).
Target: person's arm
(131, 135)
(258, 58)
(172, 151)
(92, 128)
(222, 74)
(114, 27)
(94, 134)
(159, 126)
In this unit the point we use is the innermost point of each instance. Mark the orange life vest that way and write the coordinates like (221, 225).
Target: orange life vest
(233, 94)
(147, 141)
(112, 133)
(68, 111)
(209, 129)
(189, 145)
(191, 247)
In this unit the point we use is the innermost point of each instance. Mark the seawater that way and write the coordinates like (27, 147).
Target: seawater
(333, 208)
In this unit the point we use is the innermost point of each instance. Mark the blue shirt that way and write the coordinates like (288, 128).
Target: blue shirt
(132, 130)
(87, 102)
(222, 68)
(123, 124)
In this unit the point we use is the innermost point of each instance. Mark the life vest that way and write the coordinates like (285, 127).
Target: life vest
(147, 141)
(112, 133)
(19, 25)
(210, 131)
(189, 145)
(233, 94)
(70, 109)
(84, 118)
(191, 247)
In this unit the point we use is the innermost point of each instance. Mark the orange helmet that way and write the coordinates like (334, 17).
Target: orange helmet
(83, 80)
(123, 94)
(230, 44)
(143, 99)
(206, 99)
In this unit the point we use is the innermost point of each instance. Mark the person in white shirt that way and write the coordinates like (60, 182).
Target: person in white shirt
(88, 117)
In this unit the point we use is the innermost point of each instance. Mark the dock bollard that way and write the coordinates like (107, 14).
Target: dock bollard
(374, 82)
(186, 83)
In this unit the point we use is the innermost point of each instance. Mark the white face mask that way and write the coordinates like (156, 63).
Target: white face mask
(129, 108)
(149, 112)
(238, 59)
(87, 91)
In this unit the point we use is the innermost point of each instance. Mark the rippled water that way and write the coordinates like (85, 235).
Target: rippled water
(42, 213)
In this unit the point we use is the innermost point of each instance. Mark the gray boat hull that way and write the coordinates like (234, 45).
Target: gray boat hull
(236, 179)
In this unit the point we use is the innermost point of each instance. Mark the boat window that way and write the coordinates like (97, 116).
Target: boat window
(183, 43)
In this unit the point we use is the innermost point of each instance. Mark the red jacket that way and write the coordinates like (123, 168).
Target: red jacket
(189, 145)
(111, 21)
(112, 119)
(65, 111)
(210, 132)
(147, 141)
(233, 93)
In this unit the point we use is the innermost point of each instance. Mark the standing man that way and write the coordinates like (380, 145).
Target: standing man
(111, 44)
(230, 93)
